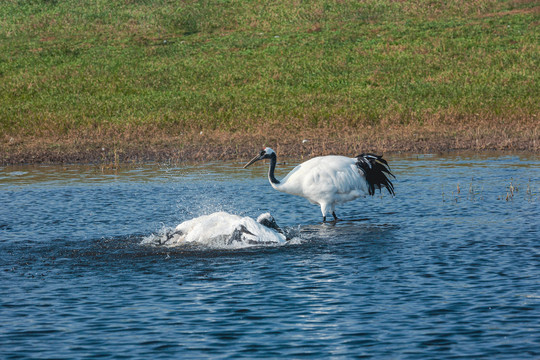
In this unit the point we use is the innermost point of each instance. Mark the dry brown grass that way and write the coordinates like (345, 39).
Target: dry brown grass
(116, 143)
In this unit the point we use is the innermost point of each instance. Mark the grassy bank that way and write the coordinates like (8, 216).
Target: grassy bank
(77, 77)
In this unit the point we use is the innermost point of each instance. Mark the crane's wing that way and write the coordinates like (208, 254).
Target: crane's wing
(326, 177)
(376, 172)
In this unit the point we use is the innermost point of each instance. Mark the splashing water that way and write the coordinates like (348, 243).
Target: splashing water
(222, 230)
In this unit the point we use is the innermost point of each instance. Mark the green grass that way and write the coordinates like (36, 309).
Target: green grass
(237, 64)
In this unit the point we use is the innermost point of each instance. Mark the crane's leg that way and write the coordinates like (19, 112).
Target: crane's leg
(333, 209)
(324, 210)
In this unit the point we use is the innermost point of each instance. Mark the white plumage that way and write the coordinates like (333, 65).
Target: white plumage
(325, 181)
(222, 229)
(330, 180)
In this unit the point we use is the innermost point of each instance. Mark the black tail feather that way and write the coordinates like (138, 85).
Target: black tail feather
(375, 169)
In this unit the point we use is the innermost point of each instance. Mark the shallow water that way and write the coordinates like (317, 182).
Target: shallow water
(435, 272)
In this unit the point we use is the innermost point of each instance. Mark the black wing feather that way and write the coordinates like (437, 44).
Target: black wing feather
(375, 169)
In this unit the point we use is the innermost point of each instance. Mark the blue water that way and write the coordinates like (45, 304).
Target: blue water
(436, 272)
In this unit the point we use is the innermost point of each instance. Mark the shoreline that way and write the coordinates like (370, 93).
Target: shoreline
(122, 146)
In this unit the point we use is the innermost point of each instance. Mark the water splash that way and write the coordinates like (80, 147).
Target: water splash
(222, 230)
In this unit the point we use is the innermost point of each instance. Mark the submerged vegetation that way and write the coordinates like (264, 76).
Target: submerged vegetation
(143, 77)
(476, 192)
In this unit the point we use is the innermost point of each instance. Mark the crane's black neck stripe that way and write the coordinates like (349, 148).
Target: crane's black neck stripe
(271, 177)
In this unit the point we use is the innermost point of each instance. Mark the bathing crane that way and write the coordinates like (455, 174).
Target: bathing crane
(331, 180)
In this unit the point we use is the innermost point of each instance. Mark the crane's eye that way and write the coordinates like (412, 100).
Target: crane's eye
(262, 153)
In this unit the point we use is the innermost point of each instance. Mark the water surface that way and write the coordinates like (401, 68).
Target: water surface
(449, 268)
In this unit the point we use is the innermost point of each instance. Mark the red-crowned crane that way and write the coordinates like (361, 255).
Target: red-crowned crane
(331, 180)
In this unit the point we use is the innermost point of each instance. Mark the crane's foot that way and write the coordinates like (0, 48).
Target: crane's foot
(336, 219)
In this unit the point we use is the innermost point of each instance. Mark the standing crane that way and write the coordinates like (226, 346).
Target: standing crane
(331, 180)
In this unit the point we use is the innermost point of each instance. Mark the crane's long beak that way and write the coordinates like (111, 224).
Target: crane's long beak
(256, 158)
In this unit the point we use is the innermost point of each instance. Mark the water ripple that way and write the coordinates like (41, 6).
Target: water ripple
(432, 273)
